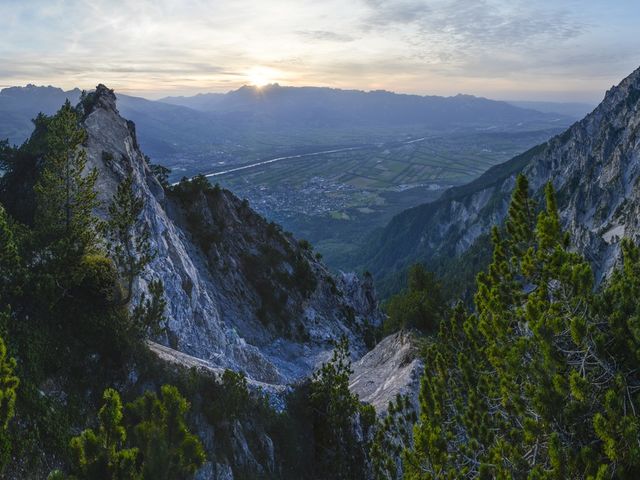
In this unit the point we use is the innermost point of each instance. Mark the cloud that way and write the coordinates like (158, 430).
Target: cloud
(480, 38)
(423, 46)
(324, 35)
(475, 24)
(491, 24)
(385, 12)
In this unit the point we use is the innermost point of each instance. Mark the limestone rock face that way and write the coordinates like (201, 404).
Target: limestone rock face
(217, 260)
(393, 367)
(594, 167)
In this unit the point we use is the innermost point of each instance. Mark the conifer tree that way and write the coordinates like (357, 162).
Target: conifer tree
(150, 442)
(9, 259)
(540, 381)
(65, 193)
(131, 250)
(420, 307)
(102, 454)
(168, 450)
(334, 410)
(521, 217)
(8, 390)
(393, 434)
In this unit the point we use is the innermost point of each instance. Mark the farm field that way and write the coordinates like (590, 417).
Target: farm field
(335, 200)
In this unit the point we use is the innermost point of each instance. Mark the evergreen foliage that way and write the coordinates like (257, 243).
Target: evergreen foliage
(129, 245)
(540, 382)
(8, 393)
(9, 260)
(67, 325)
(160, 172)
(131, 250)
(65, 194)
(393, 434)
(334, 415)
(158, 427)
(101, 454)
(421, 306)
(154, 445)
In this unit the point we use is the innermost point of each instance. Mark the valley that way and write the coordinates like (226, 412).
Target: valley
(336, 198)
(331, 166)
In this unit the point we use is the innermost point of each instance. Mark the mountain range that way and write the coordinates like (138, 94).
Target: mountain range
(254, 121)
(329, 107)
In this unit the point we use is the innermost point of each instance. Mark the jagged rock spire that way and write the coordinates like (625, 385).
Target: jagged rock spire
(101, 97)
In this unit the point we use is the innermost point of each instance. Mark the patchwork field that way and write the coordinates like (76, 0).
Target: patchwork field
(336, 199)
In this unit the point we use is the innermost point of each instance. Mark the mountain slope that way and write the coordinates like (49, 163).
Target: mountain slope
(203, 101)
(240, 294)
(594, 167)
(570, 109)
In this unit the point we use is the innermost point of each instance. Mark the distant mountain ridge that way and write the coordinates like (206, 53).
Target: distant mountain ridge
(571, 109)
(275, 106)
(331, 106)
(18, 105)
(594, 166)
(201, 101)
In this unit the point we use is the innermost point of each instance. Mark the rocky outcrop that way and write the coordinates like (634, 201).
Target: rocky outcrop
(221, 264)
(594, 166)
(392, 368)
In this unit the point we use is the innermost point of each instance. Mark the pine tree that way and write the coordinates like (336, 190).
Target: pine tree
(335, 410)
(102, 454)
(420, 307)
(9, 259)
(540, 382)
(150, 442)
(520, 221)
(130, 248)
(65, 194)
(392, 436)
(168, 450)
(8, 390)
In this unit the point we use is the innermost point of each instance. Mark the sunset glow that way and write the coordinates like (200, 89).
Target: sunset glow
(261, 76)
(530, 49)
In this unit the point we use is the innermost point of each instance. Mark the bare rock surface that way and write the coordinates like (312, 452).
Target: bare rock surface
(222, 264)
(393, 367)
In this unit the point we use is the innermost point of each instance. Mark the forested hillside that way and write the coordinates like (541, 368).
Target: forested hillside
(540, 379)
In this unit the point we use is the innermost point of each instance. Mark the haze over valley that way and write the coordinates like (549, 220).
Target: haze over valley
(346, 161)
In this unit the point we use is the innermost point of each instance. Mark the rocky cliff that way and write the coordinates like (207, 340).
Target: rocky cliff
(594, 166)
(393, 367)
(240, 293)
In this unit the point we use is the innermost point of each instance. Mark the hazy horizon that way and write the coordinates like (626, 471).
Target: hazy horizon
(535, 50)
(157, 97)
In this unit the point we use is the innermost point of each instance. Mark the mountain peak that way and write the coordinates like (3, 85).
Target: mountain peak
(102, 97)
(625, 90)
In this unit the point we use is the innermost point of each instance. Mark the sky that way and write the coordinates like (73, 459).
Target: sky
(555, 50)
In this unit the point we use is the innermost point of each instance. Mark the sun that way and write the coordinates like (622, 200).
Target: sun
(261, 76)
